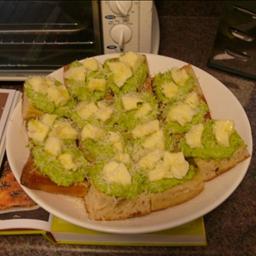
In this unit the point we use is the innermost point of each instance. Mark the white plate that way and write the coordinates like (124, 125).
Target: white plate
(222, 103)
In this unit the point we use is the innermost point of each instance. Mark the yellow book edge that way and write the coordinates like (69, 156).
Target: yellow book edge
(189, 234)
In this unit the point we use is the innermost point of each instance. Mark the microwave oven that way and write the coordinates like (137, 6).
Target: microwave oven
(39, 36)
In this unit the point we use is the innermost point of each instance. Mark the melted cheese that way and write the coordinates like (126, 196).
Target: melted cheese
(145, 129)
(86, 110)
(53, 146)
(37, 130)
(91, 132)
(38, 84)
(116, 140)
(123, 158)
(144, 110)
(173, 165)
(58, 94)
(48, 119)
(64, 130)
(130, 101)
(159, 172)
(181, 113)
(178, 164)
(114, 172)
(192, 99)
(194, 136)
(97, 84)
(130, 58)
(179, 76)
(149, 161)
(155, 140)
(222, 130)
(169, 89)
(90, 64)
(67, 161)
(121, 72)
(104, 111)
(76, 73)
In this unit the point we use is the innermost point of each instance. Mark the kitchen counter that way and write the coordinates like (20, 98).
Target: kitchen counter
(188, 30)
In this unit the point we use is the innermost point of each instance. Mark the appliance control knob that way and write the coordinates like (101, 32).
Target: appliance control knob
(121, 34)
(121, 8)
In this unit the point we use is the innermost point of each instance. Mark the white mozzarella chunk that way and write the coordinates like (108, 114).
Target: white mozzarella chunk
(194, 136)
(181, 113)
(114, 172)
(222, 130)
(85, 110)
(76, 73)
(122, 157)
(90, 64)
(130, 101)
(67, 161)
(121, 72)
(64, 130)
(38, 84)
(192, 99)
(53, 145)
(48, 119)
(149, 161)
(37, 130)
(104, 111)
(170, 90)
(130, 58)
(178, 164)
(179, 76)
(96, 84)
(144, 110)
(155, 140)
(145, 129)
(58, 94)
(158, 173)
(91, 132)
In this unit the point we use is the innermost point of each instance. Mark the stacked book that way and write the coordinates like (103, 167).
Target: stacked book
(8, 101)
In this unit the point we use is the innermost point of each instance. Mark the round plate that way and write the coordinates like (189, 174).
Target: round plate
(223, 105)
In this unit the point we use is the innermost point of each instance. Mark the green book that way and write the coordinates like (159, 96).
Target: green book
(190, 234)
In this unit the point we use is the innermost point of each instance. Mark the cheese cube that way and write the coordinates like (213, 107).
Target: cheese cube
(194, 136)
(53, 145)
(145, 129)
(97, 84)
(222, 130)
(121, 72)
(114, 172)
(37, 130)
(130, 101)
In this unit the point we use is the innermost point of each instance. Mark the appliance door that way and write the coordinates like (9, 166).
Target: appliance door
(40, 36)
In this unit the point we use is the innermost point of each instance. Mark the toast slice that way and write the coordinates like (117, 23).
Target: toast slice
(100, 206)
(33, 179)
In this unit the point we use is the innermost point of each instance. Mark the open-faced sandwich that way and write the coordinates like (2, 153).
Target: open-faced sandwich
(127, 143)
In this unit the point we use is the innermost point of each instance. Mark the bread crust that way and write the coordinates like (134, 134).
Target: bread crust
(212, 168)
(33, 179)
(178, 194)
(100, 206)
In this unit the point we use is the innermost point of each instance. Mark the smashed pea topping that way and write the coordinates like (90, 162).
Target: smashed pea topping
(105, 125)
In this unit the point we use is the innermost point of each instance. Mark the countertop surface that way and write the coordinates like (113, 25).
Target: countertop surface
(188, 30)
